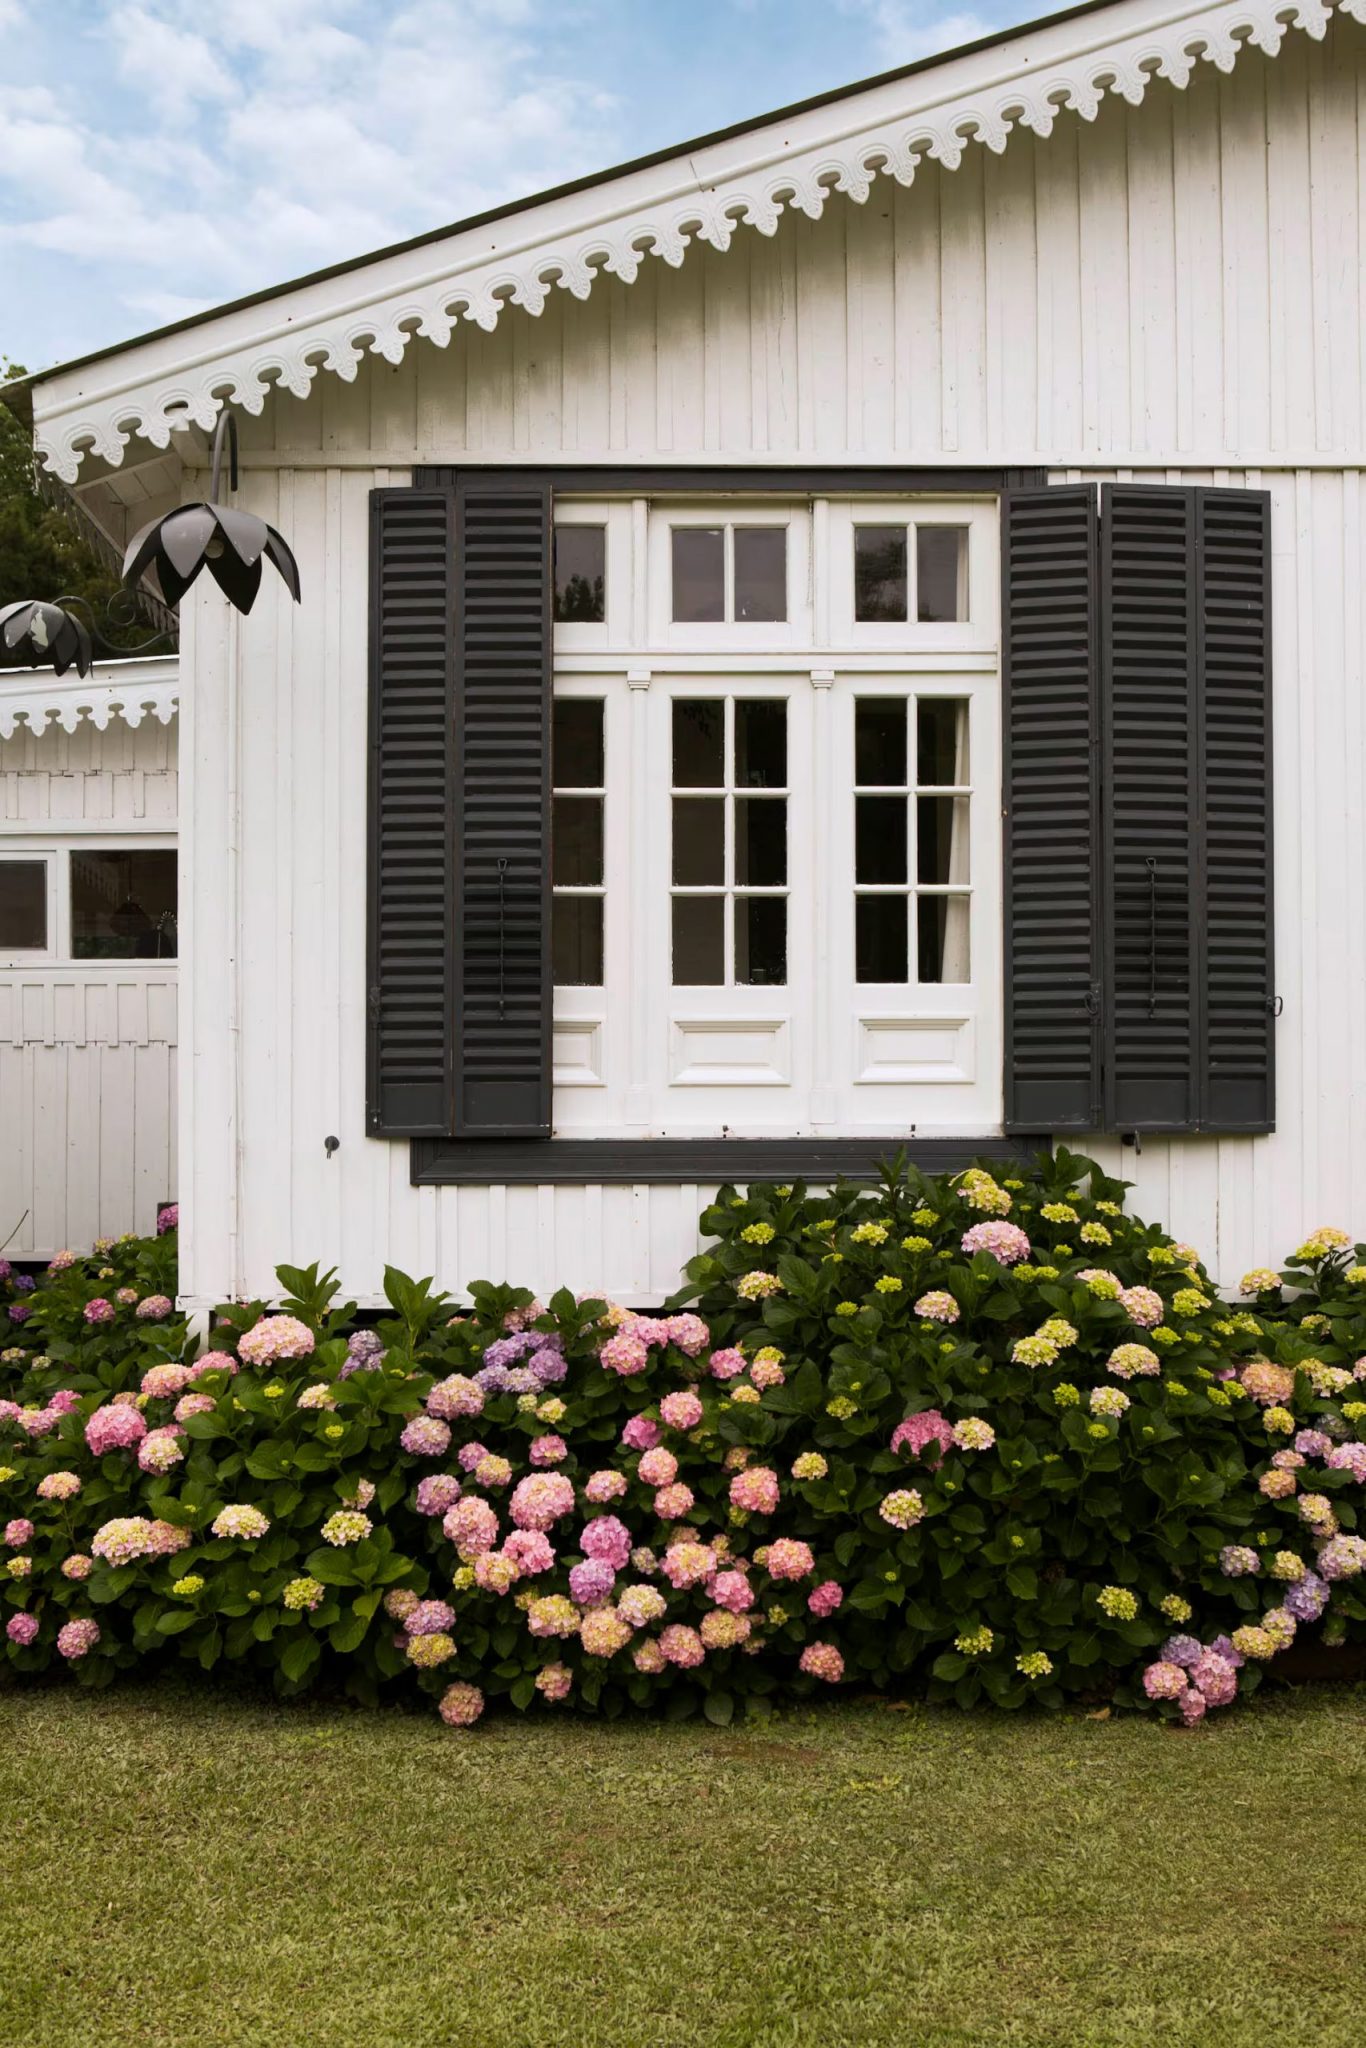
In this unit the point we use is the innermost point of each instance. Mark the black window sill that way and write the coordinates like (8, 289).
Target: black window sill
(519, 1162)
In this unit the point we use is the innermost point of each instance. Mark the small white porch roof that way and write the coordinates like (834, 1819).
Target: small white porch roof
(142, 687)
(180, 377)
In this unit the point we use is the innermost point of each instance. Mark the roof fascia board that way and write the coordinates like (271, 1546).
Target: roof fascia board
(747, 178)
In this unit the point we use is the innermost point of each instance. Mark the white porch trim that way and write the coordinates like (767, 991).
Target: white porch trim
(33, 699)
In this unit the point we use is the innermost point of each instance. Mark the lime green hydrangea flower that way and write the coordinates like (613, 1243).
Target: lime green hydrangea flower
(1175, 1608)
(869, 1233)
(889, 1284)
(1118, 1602)
(1095, 1233)
(915, 1245)
(1059, 1212)
(1034, 1663)
(1066, 1395)
(974, 1642)
(187, 1587)
(1189, 1301)
(841, 1408)
(757, 1233)
(847, 1308)
(926, 1218)
(1057, 1331)
(1278, 1421)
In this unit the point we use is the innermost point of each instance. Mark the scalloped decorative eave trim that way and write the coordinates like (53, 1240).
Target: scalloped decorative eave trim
(754, 194)
(34, 708)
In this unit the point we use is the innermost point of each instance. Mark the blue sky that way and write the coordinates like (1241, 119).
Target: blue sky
(157, 156)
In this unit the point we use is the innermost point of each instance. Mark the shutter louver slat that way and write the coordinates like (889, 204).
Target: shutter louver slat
(1052, 960)
(408, 1040)
(503, 1013)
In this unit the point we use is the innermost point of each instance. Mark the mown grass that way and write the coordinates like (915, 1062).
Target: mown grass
(186, 1869)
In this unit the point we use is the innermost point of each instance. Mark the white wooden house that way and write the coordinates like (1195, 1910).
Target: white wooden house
(814, 692)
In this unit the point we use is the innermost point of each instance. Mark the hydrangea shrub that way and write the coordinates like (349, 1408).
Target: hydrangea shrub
(988, 1439)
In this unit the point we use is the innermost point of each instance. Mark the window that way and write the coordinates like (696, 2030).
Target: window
(123, 903)
(578, 775)
(736, 573)
(580, 574)
(23, 906)
(729, 876)
(911, 839)
(881, 581)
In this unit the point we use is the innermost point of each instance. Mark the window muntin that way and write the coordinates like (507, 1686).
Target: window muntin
(123, 903)
(734, 574)
(882, 581)
(729, 854)
(578, 867)
(24, 916)
(580, 553)
(912, 880)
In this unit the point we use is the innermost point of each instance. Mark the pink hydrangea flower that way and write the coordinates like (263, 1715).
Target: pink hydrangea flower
(554, 1681)
(658, 1467)
(77, 1566)
(927, 1431)
(426, 1437)
(115, 1427)
(162, 1382)
(732, 1590)
(625, 1353)
(1192, 1704)
(18, 1533)
(688, 1563)
(539, 1500)
(548, 1450)
(591, 1582)
(455, 1396)
(790, 1559)
(640, 1434)
(1006, 1242)
(153, 1308)
(1349, 1457)
(275, 1337)
(672, 1503)
(461, 1705)
(648, 1656)
(77, 1639)
(1142, 1305)
(822, 1660)
(21, 1629)
(682, 1646)
(168, 1218)
(437, 1492)
(472, 1456)
(194, 1404)
(160, 1450)
(493, 1471)
(1216, 1677)
(59, 1486)
(604, 1486)
(609, 1539)
(727, 1364)
(1164, 1681)
(99, 1310)
(63, 1401)
(938, 1306)
(825, 1599)
(472, 1526)
(689, 1333)
(429, 1618)
(213, 1361)
(755, 1490)
(681, 1411)
(530, 1551)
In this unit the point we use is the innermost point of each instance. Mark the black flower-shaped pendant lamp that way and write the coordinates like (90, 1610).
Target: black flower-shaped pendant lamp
(230, 544)
(46, 633)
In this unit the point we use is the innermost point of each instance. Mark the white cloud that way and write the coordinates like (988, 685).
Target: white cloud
(181, 67)
(906, 30)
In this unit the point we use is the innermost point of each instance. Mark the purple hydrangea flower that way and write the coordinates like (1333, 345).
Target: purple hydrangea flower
(549, 1364)
(1307, 1598)
(591, 1582)
(1182, 1650)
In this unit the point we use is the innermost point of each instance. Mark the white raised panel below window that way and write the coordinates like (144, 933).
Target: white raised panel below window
(735, 1052)
(903, 1051)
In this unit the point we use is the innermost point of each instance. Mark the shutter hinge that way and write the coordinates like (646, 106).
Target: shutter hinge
(1275, 1005)
(372, 1009)
(1091, 1000)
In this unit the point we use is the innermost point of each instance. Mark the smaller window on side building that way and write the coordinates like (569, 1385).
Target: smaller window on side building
(123, 903)
(23, 906)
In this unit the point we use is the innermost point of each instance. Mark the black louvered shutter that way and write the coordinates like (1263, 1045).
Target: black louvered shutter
(502, 880)
(1052, 810)
(1185, 577)
(408, 951)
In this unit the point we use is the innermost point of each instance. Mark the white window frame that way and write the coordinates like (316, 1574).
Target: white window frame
(822, 1055)
(13, 851)
(57, 853)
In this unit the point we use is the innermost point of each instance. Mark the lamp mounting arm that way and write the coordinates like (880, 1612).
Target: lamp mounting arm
(226, 430)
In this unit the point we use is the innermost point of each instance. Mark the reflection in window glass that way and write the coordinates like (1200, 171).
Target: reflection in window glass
(576, 743)
(580, 575)
(577, 854)
(699, 743)
(941, 750)
(879, 574)
(941, 574)
(23, 905)
(123, 904)
(942, 939)
(880, 742)
(699, 574)
(760, 572)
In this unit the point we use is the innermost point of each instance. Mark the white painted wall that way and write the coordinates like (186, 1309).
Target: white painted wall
(88, 1075)
(1171, 293)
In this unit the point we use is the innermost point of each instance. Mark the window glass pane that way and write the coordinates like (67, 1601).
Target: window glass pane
(880, 839)
(941, 574)
(761, 744)
(576, 743)
(941, 845)
(699, 573)
(123, 904)
(761, 940)
(880, 742)
(580, 574)
(576, 941)
(699, 841)
(880, 949)
(761, 841)
(23, 904)
(942, 742)
(942, 938)
(699, 941)
(576, 841)
(699, 743)
(760, 572)
(879, 574)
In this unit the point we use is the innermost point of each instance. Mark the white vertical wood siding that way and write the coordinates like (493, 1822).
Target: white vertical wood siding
(1173, 292)
(87, 1052)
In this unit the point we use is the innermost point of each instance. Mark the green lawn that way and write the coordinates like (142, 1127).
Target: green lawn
(183, 1869)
